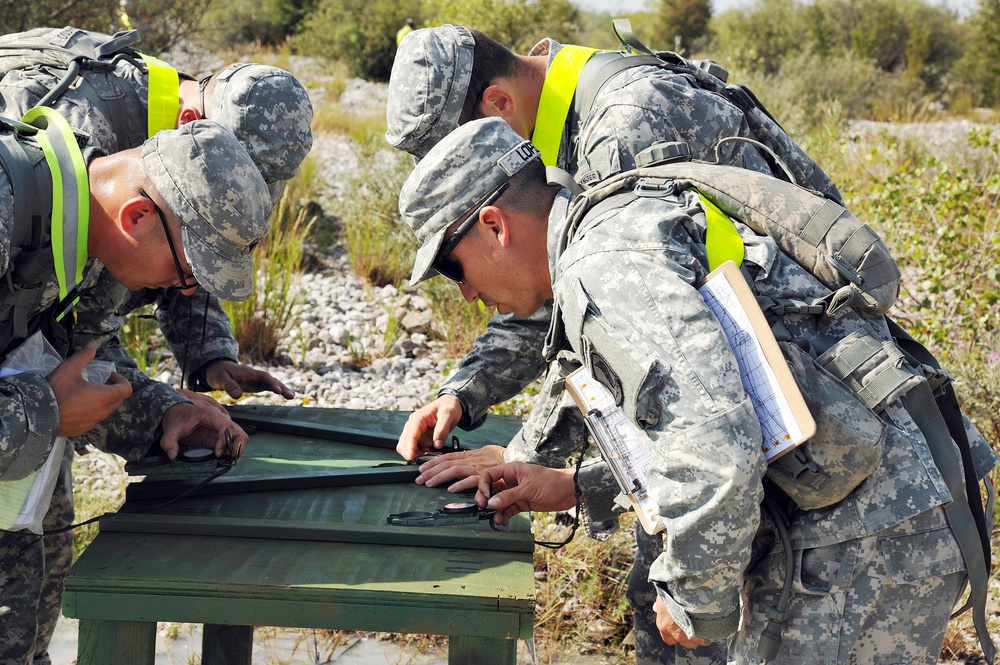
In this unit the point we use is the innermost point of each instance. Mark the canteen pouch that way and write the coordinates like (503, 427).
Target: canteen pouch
(848, 445)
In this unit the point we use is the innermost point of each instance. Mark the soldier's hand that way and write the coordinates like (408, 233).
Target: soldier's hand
(463, 467)
(670, 632)
(202, 398)
(234, 378)
(428, 427)
(83, 404)
(525, 487)
(200, 426)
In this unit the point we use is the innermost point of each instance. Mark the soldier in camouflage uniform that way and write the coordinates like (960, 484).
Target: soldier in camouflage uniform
(445, 76)
(267, 108)
(876, 574)
(144, 232)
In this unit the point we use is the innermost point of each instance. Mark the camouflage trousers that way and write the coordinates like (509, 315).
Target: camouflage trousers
(883, 599)
(32, 569)
(880, 599)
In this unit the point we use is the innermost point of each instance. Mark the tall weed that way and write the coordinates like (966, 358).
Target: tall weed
(381, 247)
(261, 322)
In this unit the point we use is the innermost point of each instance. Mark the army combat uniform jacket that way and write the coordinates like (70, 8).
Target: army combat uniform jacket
(30, 416)
(636, 108)
(626, 307)
(124, 92)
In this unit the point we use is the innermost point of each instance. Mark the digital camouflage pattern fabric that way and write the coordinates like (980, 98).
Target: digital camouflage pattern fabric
(205, 176)
(625, 305)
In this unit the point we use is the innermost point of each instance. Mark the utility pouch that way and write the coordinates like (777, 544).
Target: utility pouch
(848, 445)
(876, 371)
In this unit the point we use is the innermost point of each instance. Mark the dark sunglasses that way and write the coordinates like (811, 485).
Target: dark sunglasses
(185, 283)
(452, 269)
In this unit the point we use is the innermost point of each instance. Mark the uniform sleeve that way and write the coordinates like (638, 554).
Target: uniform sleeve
(504, 359)
(638, 323)
(135, 427)
(198, 331)
(29, 420)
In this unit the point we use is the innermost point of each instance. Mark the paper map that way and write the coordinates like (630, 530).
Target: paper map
(778, 423)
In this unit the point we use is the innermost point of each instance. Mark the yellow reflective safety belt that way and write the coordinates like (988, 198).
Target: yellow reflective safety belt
(722, 240)
(164, 95)
(557, 95)
(70, 200)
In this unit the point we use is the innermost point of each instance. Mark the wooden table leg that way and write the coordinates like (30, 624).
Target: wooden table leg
(116, 642)
(226, 645)
(481, 650)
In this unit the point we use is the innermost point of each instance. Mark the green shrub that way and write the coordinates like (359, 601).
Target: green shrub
(361, 33)
(518, 24)
(269, 23)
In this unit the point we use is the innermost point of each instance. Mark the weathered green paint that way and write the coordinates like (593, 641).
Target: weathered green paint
(226, 645)
(241, 560)
(234, 527)
(463, 650)
(232, 484)
(116, 642)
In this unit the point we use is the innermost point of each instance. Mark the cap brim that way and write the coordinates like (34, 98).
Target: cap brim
(224, 278)
(423, 264)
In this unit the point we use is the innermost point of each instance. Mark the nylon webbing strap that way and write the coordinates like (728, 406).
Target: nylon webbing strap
(945, 406)
(70, 200)
(557, 96)
(722, 240)
(819, 225)
(164, 95)
(22, 182)
(921, 406)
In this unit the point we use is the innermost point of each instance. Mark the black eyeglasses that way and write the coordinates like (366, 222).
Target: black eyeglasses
(185, 283)
(452, 269)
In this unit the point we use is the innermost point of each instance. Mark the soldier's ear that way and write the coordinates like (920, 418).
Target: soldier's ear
(496, 224)
(188, 114)
(135, 215)
(497, 102)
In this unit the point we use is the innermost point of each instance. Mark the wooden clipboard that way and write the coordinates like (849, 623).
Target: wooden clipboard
(766, 377)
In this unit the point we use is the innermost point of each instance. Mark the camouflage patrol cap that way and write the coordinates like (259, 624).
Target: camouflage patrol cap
(457, 175)
(427, 87)
(269, 111)
(207, 179)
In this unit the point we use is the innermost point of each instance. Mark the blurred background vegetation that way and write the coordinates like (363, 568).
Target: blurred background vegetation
(819, 66)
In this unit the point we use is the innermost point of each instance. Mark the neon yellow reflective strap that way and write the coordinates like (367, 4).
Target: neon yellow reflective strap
(164, 95)
(70, 197)
(557, 95)
(722, 240)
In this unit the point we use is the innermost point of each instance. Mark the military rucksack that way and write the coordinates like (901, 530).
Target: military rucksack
(785, 158)
(60, 47)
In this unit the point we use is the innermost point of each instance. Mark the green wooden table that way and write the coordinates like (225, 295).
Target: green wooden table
(281, 546)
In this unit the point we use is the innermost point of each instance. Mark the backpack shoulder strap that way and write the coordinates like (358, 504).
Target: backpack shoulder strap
(20, 169)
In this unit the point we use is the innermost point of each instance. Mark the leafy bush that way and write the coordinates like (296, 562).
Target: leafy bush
(161, 23)
(361, 33)
(518, 24)
(250, 21)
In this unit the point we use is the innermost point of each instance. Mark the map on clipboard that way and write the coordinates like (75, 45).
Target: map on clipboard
(626, 456)
(785, 421)
(782, 411)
